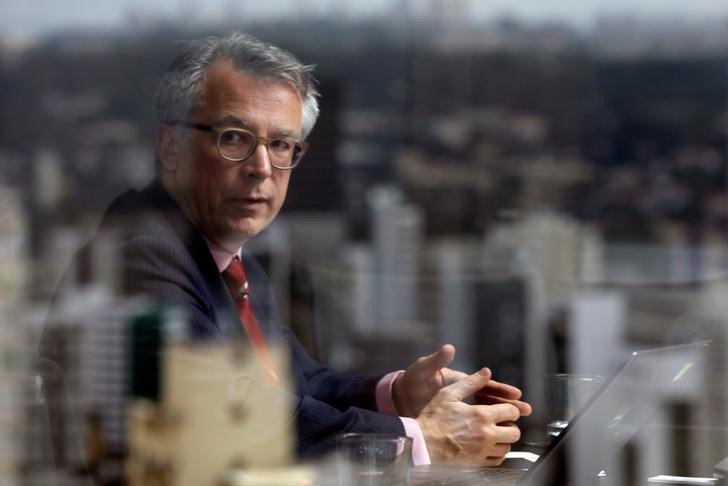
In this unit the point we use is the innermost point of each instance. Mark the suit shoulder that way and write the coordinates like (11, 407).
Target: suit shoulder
(133, 214)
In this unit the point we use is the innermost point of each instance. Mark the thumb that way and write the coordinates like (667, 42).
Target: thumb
(429, 365)
(469, 385)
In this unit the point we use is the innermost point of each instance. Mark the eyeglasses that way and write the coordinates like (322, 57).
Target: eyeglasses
(237, 145)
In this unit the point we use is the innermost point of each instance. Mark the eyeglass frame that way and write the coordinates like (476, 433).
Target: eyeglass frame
(220, 129)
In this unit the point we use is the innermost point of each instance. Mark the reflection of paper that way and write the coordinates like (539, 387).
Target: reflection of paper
(219, 418)
(529, 456)
(285, 476)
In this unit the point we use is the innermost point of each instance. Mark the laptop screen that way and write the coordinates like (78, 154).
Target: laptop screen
(616, 413)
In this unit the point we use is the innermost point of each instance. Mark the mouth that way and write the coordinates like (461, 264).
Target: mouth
(249, 201)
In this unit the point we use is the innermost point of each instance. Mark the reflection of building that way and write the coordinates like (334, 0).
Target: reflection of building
(20, 394)
(14, 415)
(87, 340)
(13, 246)
(709, 440)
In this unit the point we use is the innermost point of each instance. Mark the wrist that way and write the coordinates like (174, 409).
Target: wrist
(440, 446)
(401, 399)
(398, 398)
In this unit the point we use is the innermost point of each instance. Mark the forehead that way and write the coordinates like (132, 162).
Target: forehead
(229, 91)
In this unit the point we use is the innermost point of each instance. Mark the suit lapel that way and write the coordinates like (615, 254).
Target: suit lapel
(224, 313)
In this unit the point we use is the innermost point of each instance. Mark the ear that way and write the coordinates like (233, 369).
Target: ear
(167, 147)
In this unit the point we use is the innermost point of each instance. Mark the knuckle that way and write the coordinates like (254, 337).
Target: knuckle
(485, 435)
(444, 398)
(485, 414)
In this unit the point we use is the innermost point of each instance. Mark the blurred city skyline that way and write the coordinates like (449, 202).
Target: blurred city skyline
(42, 17)
(542, 184)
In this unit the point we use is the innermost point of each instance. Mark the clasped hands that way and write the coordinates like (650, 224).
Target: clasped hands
(465, 419)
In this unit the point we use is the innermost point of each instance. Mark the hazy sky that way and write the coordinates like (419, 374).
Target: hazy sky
(33, 16)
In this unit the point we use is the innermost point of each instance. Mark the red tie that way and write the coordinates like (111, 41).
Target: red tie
(237, 282)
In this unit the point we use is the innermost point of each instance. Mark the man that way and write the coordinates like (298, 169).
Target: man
(234, 116)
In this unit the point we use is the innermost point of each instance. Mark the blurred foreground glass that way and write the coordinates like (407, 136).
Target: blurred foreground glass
(373, 459)
(567, 394)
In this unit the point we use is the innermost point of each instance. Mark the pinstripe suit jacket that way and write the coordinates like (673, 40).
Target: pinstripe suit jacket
(165, 257)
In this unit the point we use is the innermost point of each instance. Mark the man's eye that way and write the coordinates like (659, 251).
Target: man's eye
(281, 144)
(233, 137)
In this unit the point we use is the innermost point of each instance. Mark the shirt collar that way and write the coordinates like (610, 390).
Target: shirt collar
(222, 257)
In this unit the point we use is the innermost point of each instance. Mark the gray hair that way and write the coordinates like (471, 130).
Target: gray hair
(181, 87)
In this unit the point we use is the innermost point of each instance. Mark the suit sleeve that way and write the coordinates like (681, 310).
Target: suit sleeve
(318, 424)
(335, 403)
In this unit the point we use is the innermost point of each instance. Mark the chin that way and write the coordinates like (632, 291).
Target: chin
(247, 230)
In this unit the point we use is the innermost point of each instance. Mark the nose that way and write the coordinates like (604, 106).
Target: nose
(258, 164)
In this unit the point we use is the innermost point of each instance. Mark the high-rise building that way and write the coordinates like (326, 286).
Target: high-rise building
(398, 239)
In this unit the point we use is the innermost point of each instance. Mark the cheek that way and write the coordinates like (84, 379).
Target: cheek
(213, 189)
(206, 179)
(279, 201)
(188, 171)
(281, 184)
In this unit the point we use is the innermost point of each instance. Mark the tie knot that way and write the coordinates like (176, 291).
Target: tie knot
(236, 279)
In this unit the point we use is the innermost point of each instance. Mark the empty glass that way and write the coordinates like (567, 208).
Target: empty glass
(567, 393)
(373, 459)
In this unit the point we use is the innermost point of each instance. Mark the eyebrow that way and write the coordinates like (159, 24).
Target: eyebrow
(234, 121)
(230, 120)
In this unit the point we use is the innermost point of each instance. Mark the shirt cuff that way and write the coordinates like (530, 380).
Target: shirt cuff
(385, 405)
(420, 456)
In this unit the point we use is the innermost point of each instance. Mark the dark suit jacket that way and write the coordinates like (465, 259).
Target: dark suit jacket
(164, 256)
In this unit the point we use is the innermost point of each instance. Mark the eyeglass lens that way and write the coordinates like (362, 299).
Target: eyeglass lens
(239, 145)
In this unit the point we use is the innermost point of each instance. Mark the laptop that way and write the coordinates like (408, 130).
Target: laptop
(596, 434)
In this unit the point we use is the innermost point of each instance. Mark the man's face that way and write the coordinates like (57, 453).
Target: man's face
(231, 201)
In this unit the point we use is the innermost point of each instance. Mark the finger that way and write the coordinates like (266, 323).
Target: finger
(503, 435)
(491, 461)
(498, 450)
(450, 376)
(503, 390)
(500, 412)
(429, 365)
(468, 385)
(524, 408)
(507, 433)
